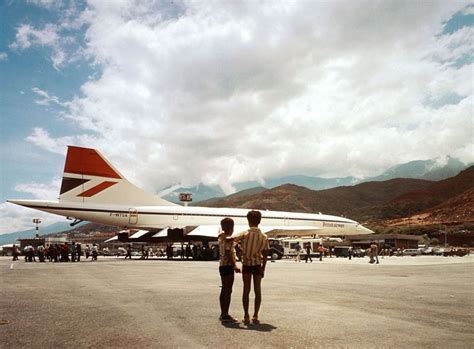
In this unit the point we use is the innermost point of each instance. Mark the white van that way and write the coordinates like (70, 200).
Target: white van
(290, 243)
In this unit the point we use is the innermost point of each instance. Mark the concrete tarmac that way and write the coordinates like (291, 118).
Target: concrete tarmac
(404, 302)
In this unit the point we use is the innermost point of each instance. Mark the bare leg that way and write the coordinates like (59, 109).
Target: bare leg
(226, 292)
(257, 280)
(246, 278)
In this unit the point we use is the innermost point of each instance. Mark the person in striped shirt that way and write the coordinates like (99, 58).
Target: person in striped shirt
(255, 247)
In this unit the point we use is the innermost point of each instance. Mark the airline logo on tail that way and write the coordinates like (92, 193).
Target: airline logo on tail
(72, 183)
(89, 177)
(81, 162)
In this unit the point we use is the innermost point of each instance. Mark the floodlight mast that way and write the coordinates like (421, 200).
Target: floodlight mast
(37, 222)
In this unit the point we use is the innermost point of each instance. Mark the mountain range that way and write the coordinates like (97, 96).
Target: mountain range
(433, 169)
(374, 203)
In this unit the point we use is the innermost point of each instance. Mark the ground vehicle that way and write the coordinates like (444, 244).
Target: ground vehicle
(290, 243)
(276, 250)
(427, 251)
(461, 252)
(438, 251)
(177, 248)
(342, 251)
(411, 252)
(358, 252)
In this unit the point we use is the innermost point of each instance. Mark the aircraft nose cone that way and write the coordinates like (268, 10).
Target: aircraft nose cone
(363, 230)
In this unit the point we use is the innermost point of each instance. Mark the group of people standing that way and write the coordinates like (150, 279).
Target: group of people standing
(254, 249)
(56, 252)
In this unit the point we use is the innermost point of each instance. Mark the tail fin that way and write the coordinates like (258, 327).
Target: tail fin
(89, 177)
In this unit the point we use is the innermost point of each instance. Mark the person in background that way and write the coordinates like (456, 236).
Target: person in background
(95, 252)
(298, 252)
(31, 254)
(65, 253)
(227, 268)
(53, 252)
(73, 252)
(321, 250)
(78, 251)
(188, 251)
(182, 252)
(15, 253)
(374, 252)
(129, 252)
(40, 251)
(308, 253)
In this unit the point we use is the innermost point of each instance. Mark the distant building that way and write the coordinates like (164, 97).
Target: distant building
(462, 238)
(52, 240)
(393, 240)
(35, 242)
(6, 250)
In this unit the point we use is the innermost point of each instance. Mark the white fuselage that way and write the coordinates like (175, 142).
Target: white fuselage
(159, 217)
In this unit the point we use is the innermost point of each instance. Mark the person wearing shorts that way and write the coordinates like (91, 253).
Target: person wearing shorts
(227, 267)
(255, 248)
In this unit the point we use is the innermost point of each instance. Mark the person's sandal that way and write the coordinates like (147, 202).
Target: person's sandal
(255, 320)
(230, 318)
(227, 318)
(246, 320)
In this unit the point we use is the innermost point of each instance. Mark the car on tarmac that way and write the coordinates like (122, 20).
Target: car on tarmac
(358, 252)
(411, 252)
(426, 251)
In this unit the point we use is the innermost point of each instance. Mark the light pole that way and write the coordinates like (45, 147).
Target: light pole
(37, 221)
(185, 198)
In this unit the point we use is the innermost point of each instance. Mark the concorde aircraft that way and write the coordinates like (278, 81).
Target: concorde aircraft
(93, 190)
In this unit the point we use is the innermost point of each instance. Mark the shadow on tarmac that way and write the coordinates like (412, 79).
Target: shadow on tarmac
(252, 327)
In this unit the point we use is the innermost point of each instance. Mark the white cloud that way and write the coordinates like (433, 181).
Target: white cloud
(27, 35)
(46, 3)
(41, 138)
(60, 38)
(49, 36)
(15, 218)
(3, 56)
(41, 191)
(45, 98)
(222, 92)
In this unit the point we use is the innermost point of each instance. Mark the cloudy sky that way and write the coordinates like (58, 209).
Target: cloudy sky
(219, 92)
